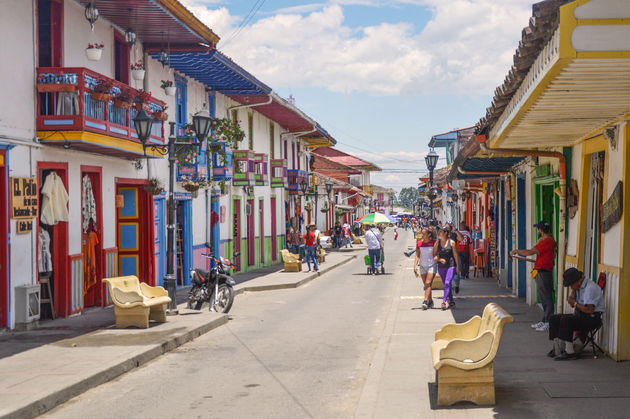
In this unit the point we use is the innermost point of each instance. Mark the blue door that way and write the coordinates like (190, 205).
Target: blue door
(521, 232)
(159, 239)
(183, 244)
(508, 238)
(215, 226)
(181, 97)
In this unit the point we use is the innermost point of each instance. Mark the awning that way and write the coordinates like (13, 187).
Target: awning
(345, 207)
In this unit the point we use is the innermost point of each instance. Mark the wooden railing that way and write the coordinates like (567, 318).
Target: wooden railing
(65, 102)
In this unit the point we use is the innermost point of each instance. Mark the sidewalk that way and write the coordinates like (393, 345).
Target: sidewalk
(45, 367)
(401, 382)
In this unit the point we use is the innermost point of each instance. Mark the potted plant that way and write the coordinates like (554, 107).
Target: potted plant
(94, 51)
(168, 87)
(154, 186)
(137, 70)
(124, 99)
(225, 132)
(161, 114)
(54, 83)
(102, 90)
(142, 99)
(193, 183)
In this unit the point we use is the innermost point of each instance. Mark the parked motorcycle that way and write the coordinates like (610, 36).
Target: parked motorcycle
(214, 286)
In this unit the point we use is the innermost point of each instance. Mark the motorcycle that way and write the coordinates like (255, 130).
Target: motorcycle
(214, 286)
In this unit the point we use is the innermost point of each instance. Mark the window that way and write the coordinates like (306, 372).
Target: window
(272, 135)
(212, 105)
(298, 157)
(121, 58)
(50, 33)
(286, 154)
(250, 130)
(181, 98)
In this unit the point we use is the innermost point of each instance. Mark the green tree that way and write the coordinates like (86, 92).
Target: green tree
(407, 197)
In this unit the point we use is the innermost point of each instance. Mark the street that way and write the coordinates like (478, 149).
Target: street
(289, 353)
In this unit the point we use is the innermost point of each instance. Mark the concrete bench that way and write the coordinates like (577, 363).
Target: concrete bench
(135, 303)
(463, 357)
(291, 261)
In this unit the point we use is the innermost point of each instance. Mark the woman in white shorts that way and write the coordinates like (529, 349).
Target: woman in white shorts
(424, 265)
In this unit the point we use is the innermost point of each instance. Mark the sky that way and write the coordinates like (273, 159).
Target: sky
(381, 76)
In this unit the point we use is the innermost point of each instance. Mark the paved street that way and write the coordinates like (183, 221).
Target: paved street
(347, 345)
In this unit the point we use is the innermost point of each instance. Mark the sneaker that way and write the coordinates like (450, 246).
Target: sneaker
(451, 304)
(425, 305)
(537, 325)
(430, 303)
(444, 306)
(552, 353)
(543, 328)
(457, 289)
(564, 356)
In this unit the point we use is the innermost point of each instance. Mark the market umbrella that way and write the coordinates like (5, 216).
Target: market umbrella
(375, 218)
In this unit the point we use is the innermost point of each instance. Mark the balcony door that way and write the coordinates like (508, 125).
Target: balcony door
(50, 33)
(121, 59)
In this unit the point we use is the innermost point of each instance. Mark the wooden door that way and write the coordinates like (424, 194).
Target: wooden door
(4, 260)
(159, 239)
(94, 294)
(251, 243)
(134, 233)
(274, 247)
(261, 218)
(236, 234)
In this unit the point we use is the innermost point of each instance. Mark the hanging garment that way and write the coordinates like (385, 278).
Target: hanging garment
(54, 200)
(88, 203)
(90, 240)
(45, 258)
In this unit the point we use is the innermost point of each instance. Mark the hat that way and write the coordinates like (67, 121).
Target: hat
(571, 276)
(543, 225)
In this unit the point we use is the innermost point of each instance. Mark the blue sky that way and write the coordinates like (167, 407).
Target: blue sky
(382, 76)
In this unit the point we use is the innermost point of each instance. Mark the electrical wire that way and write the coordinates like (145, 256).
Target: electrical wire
(248, 18)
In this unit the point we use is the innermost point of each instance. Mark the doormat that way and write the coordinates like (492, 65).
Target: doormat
(587, 390)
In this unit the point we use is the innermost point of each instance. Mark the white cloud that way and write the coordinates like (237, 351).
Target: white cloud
(466, 47)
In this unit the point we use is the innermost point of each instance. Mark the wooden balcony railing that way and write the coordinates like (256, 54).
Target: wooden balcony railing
(65, 103)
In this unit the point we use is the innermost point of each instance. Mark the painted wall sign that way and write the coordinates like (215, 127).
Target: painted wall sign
(24, 197)
(612, 209)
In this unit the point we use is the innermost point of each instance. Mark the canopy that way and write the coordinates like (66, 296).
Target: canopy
(375, 218)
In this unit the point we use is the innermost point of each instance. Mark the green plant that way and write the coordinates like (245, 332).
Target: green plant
(154, 186)
(125, 95)
(103, 86)
(166, 83)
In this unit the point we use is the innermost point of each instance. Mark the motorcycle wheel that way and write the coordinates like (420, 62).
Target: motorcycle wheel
(225, 298)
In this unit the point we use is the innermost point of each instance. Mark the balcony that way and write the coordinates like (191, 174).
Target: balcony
(261, 177)
(278, 173)
(294, 180)
(68, 115)
(244, 168)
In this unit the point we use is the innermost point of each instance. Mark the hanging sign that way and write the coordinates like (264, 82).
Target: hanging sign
(24, 226)
(24, 197)
(612, 209)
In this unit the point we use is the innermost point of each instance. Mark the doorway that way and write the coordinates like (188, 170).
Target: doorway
(547, 203)
(92, 235)
(261, 218)
(595, 198)
(134, 233)
(236, 234)
(52, 245)
(274, 245)
(183, 240)
(159, 239)
(4, 246)
(521, 235)
(251, 242)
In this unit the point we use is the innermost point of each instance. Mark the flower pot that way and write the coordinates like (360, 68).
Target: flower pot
(103, 97)
(153, 190)
(55, 87)
(122, 104)
(161, 115)
(140, 106)
(137, 74)
(93, 54)
(170, 91)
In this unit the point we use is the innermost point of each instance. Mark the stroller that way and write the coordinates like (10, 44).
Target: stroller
(368, 263)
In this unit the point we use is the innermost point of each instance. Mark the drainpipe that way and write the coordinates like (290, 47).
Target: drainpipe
(249, 105)
(563, 202)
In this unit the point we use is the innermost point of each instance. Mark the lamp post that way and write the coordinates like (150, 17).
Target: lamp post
(329, 188)
(201, 126)
(431, 161)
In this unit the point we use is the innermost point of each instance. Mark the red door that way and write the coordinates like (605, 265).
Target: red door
(251, 248)
(236, 234)
(261, 217)
(4, 253)
(273, 230)
(94, 294)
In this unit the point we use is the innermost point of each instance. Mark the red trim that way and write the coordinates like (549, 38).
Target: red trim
(261, 217)
(251, 248)
(94, 296)
(236, 238)
(59, 250)
(5, 248)
(130, 181)
(125, 61)
(274, 228)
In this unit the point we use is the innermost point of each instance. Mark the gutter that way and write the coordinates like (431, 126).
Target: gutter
(470, 172)
(250, 105)
(563, 202)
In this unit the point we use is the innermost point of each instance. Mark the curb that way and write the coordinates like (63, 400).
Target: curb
(288, 285)
(53, 400)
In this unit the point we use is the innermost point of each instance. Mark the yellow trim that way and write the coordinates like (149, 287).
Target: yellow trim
(602, 22)
(187, 18)
(571, 259)
(126, 217)
(607, 268)
(94, 138)
(623, 331)
(568, 23)
(603, 54)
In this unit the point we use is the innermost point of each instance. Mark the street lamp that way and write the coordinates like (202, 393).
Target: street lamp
(142, 122)
(329, 187)
(303, 186)
(431, 160)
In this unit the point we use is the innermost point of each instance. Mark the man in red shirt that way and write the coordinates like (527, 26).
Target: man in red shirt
(311, 240)
(545, 251)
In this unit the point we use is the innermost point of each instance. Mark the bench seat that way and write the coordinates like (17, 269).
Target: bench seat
(135, 303)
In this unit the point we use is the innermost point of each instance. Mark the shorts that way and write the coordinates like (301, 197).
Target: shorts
(431, 269)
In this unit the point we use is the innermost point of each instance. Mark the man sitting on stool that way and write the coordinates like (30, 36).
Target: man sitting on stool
(587, 299)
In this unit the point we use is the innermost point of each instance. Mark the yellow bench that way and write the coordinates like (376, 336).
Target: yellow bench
(463, 357)
(321, 255)
(291, 261)
(135, 303)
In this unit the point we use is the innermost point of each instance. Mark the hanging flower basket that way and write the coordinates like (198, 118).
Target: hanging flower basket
(137, 74)
(55, 87)
(93, 54)
(154, 187)
(191, 186)
(170, 91)
(122, 104)
(140, 106)
(103, 97)
(161, 115)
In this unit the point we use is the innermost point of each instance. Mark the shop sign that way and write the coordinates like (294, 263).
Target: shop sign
(612, 209)
(24, 226)
(24, 197)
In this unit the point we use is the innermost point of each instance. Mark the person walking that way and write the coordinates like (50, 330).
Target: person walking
(424, 265)
(374, 241)
(293, 241)
(445, 254)
(395, 232)
(310, 242)
(337, 231)
(545, 251)
(464, 239)
(347, 235)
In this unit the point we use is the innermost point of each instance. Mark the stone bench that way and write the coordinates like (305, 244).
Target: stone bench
(135, 303)
(291, 261)
(463, 357)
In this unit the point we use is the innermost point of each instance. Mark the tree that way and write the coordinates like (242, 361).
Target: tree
(407, 197)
